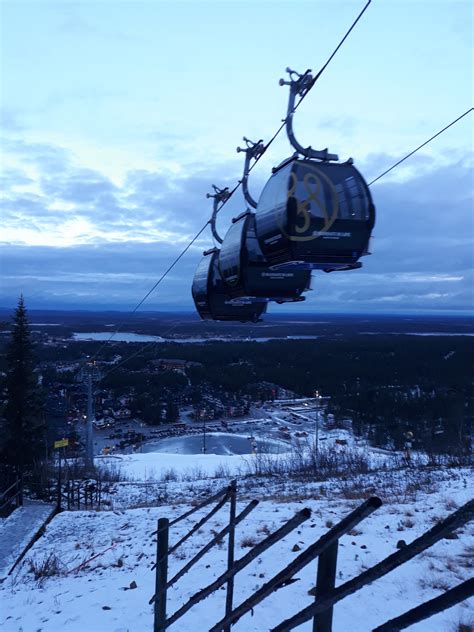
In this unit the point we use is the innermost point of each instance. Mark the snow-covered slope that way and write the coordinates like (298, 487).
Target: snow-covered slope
(98, 597)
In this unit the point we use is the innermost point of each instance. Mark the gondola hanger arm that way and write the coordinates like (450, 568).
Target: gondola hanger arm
(252, 151)
(219, 196)
(299, 85)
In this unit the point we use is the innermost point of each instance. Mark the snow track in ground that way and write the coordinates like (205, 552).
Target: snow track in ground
(18, 530)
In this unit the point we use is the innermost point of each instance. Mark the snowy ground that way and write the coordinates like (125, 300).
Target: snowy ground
(156, 465)
(98, 597)
(160, 463)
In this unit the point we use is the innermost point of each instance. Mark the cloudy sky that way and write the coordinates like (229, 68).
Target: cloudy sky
(117, 117)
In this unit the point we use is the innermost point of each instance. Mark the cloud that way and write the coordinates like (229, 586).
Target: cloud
(79, 186)
(12, 178)
(43, 158)
(107, 275)
(67, 204)
(73, 236)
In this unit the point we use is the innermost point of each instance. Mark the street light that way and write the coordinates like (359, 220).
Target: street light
(316, 428)
(204, 436)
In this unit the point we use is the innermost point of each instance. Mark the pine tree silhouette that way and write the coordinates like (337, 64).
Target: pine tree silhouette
(24, 417)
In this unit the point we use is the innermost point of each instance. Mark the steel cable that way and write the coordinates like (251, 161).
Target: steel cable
(231, 193)
(422, 145)
(236, 187)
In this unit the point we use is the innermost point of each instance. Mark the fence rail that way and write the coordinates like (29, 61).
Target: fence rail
(163, 550)
(242, 515)
(440, 530)
(12, 495)
(244, 561)
(201, 505)
(320, 546)
(429, 608)
(325, 549)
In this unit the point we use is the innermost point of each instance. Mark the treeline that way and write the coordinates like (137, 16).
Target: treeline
(332, 365)
(389, 385)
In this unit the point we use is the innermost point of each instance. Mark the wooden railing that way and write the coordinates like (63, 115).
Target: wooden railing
(324, 549)
(440, 530)
(162, 583)
(12, 497)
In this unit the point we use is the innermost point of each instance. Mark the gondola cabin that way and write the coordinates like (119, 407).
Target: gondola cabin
(316, 215)
(212, 299)
(246, 272)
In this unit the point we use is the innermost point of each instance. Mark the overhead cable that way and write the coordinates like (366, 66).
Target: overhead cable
(272, 139)
(202, 229)
(422, 145)
(231, 193)
(140, 303)
(337, 48)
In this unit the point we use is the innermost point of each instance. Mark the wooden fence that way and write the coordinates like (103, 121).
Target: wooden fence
(81, 494)
(75, 490)
(324, 549)
(11, 497)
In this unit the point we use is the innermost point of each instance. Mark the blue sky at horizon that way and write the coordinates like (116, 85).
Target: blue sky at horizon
(117, 117)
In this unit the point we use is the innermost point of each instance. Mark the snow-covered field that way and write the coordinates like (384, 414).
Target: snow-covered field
(159, 463)
(97, 597)
(156, 465)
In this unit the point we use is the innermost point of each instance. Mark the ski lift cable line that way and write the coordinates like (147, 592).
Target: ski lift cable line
(335, 50)
(231, 193)
(204, 227)
(140, 303)
(315, 78)
(421, 146)
(146, 347)
(313, 81)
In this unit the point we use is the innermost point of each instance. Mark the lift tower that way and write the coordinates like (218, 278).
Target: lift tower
(90, 375)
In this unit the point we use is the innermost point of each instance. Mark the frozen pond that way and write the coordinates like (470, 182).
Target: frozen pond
(216, 443)
(123, 336)
(128, 336)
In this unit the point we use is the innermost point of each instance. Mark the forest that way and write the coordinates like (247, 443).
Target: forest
(387, 384)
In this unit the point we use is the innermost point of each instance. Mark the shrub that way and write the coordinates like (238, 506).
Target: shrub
(248, 541)
(49, 566)
(169, 475)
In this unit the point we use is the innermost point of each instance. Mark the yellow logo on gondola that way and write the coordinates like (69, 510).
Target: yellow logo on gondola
(316, 184)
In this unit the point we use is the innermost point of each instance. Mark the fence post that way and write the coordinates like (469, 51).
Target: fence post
(161, 576)
(325, 582)
(68, 494)
(20, 495)
(230, 551)
(58, 501)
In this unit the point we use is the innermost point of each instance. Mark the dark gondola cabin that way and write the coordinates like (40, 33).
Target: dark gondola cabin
(246, 272)
(212, 299)
(314, 214)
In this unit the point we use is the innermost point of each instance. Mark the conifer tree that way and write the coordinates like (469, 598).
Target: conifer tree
(24, 418)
